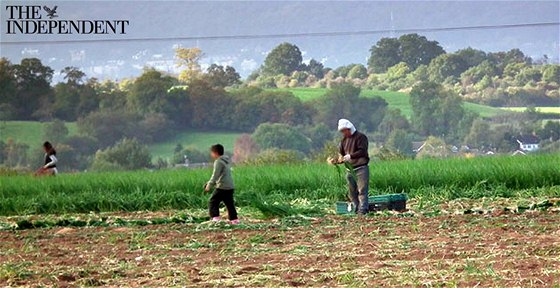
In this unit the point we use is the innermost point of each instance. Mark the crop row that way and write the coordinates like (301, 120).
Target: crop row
(277, 185)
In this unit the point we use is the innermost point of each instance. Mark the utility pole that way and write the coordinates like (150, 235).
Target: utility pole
(392, 26)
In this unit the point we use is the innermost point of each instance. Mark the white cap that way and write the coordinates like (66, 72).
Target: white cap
(346, 124)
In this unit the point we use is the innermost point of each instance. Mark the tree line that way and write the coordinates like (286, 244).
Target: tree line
(115, 117)
(505, 78)
(154, 106)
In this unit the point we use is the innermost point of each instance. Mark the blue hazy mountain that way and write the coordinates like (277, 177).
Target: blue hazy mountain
(156, 19)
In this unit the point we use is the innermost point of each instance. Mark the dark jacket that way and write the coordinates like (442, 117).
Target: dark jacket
(357, 146)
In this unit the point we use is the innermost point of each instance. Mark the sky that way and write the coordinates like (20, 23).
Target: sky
(173, 19)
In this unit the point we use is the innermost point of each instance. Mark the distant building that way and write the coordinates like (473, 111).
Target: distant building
(454, 149)
(418, 146)
(459, 150)
(528, 143)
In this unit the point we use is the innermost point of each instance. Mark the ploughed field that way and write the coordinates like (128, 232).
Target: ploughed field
(518, 250)
(484, 221)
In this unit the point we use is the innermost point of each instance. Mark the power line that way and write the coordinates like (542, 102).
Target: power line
(290, 35)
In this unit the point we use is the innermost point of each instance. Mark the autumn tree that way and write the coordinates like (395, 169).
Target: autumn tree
(189, 59)
(244, 148)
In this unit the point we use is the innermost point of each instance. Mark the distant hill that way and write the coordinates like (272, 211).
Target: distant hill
(396, 100)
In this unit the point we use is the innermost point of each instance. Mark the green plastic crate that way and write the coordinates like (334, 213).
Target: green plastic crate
(396, 202)
(388, 198)
(344, 208)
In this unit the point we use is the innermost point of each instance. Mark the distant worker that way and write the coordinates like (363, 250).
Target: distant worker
(49, 166)
(222, 181)
(354, 151)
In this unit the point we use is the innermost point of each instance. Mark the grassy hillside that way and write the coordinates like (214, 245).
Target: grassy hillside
(394, 99)
(200, 140)
(29, 132)
(305, 93)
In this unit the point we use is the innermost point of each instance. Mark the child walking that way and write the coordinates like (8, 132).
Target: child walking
(222, 181)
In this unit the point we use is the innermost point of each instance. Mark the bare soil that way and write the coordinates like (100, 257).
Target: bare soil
(516, 250)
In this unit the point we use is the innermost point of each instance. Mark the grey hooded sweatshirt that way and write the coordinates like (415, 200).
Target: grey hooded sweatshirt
(221, 176)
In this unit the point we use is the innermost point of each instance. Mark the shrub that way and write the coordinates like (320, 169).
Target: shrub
(127, 154)
(278, 156)
(281, 136)
(192, 154)
(244, 148)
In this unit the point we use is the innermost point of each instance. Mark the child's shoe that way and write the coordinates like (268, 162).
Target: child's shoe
(234, 222)
(216, 219)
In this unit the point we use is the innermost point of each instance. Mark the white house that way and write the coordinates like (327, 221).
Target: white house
(528, 143)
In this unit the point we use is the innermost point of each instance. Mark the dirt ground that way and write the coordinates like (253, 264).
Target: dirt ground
(515, 250)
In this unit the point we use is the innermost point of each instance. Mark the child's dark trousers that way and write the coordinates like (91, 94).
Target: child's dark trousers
(225, 196)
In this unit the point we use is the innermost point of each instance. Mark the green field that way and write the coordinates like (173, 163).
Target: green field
(548, 110)
(313, 184)
(29, 132)
(396, 100)
(305, 93)
(197, 139)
